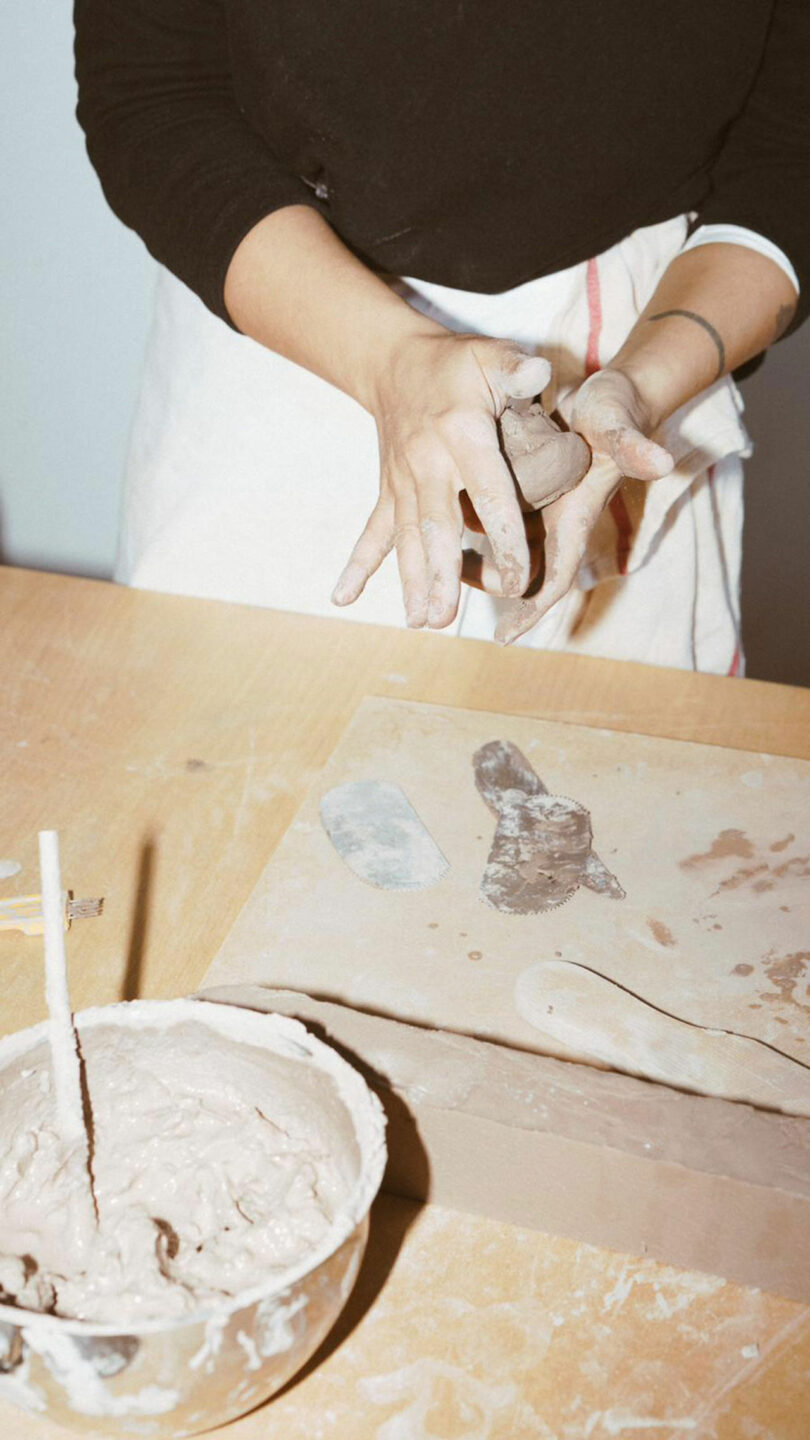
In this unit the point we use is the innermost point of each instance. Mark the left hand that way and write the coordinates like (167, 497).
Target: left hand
(608, 411)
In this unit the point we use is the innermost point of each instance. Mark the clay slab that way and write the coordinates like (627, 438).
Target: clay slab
(700, 1183)
(711, 846)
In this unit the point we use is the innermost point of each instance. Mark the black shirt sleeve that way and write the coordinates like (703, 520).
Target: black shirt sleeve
(203, 116)
(176, 159)
(761, 178)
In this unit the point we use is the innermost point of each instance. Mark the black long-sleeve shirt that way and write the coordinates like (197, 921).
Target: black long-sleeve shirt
(467, 142)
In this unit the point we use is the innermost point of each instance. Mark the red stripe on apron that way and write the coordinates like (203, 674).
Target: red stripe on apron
(624, 531)
(617, 507)
(594, 294)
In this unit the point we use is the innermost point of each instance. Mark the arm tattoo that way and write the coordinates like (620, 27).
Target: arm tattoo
(784, 315)
(705, 325)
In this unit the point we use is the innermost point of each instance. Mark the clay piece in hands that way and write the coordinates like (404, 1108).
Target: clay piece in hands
(545, 461)
(542, 850)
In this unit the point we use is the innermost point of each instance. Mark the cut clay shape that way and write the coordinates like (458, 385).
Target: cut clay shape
(379, 835)
(545, 460)
(598, 1020)
(542, 851)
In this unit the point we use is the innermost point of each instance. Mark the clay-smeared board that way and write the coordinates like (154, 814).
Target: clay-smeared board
(711, 846)
(576, 1151)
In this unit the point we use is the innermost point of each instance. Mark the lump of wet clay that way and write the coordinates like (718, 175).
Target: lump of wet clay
(542, 849)
(214, 1165)
(545, 460)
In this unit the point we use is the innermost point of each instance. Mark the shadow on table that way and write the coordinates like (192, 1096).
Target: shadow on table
(391, 1218)
(139, 926)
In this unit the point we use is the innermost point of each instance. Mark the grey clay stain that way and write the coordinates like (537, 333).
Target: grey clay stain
(542, 849)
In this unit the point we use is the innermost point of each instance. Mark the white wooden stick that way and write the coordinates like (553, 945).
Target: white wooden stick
(64, 1051)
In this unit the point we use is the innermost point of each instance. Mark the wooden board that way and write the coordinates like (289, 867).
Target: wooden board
(711, 845)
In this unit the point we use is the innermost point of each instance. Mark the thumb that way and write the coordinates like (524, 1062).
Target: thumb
(611, 415)
(524, 376)
(632, 452)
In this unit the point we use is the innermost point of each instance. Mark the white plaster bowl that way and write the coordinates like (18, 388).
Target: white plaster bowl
(178, 1377)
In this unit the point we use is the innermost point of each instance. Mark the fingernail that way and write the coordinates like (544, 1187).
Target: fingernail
(512, 581)
(342, 590)
(520, 619)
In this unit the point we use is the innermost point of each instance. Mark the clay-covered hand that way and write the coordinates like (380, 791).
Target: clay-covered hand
(609, 413)
(436, 405)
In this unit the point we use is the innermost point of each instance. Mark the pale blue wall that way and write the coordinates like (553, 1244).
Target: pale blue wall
(75, 292)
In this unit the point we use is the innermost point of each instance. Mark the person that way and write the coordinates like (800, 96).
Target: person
(376, 227)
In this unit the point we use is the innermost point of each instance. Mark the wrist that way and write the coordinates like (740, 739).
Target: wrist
(657, 380)
(392, 354)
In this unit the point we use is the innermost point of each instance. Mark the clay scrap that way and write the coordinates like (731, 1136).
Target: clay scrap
(379, 836)
(542, 850)
(545, 461)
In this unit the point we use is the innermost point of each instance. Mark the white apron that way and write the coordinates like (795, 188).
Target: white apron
(249, 479)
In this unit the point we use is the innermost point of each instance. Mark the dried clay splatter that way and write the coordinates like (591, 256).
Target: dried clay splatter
(760, 876)
(379, 835)
(541, 852)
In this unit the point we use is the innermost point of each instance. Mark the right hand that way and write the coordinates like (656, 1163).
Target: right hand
(436, 404)
(610, 413)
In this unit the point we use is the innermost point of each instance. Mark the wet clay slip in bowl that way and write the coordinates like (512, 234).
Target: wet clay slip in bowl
(235, 1158)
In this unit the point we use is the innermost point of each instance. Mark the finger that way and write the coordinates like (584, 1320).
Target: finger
(491, 490)
(528, 612)
(479, 571)
(566, 542)
(442, 525)
(524, 376)
(518, 620)
(607, 411)
(374, 544)
(633, 453)
(411, 557)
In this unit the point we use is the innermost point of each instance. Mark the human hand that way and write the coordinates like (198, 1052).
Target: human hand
(436, 404)
(608, 411)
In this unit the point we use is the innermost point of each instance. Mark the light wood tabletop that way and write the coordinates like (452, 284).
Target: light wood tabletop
(170, 742)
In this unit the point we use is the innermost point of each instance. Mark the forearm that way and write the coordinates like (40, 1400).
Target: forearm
(715, 308)
(293, 286)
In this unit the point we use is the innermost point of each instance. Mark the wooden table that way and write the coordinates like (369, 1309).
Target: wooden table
(170, 742)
